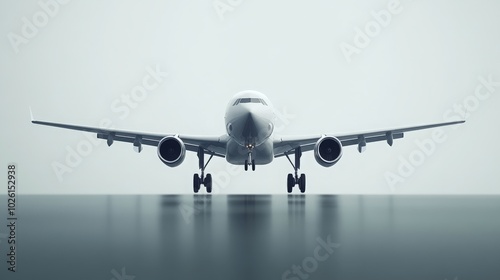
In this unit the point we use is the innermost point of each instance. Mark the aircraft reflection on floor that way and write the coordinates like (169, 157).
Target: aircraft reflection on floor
(258, 237)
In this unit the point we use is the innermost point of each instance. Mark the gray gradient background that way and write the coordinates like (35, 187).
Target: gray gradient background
(426, 60)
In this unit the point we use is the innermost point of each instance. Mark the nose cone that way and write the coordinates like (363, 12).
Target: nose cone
(250, 127)
(249, 124)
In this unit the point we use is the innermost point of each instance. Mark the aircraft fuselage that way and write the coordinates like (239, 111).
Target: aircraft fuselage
(249, 121)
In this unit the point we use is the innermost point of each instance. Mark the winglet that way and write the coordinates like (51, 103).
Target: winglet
(31, 115)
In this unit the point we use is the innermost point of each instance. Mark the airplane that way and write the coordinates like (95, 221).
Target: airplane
(249, 141)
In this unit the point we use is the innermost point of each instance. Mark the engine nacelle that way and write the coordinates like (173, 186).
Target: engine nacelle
(328, 151)
(171, 151)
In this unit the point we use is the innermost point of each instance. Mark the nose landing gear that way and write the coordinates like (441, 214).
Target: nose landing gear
(249, 162)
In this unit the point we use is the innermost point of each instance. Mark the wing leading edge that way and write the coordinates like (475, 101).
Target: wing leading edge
(212, 144)
(284, 145)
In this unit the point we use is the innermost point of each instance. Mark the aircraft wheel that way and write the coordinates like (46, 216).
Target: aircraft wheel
(208, 183)
(246, 165)
(290, 183)
(302, 183)
(196, 183)
(253, 165)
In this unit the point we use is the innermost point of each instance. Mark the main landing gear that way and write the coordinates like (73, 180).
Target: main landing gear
(296, 180)
(202, 179)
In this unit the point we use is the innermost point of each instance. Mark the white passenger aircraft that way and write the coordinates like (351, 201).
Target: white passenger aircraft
(249, 141)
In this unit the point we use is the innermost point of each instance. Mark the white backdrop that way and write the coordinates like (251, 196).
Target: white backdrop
(328, 67)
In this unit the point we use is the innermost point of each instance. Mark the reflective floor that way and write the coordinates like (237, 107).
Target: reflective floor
(254, 237)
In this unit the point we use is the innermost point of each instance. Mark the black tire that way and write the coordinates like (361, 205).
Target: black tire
(290, 183)
(302, 183)
(208, 183)
(246, 165)
(253, 165)
(196, 183)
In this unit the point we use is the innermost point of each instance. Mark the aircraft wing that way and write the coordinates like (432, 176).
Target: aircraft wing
(212, 144)
(287, 145)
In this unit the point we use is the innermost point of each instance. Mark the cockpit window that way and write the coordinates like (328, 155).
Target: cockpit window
(249, 100)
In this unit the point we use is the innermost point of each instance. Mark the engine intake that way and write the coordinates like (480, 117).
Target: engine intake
(171, 151)
(328, 151)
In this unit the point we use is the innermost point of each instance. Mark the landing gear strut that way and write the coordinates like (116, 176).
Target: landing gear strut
(202, 179)
(250, 161)
(296, 180)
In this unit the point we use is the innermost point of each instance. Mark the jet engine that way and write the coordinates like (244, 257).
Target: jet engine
(328, 151)
(171, 151)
